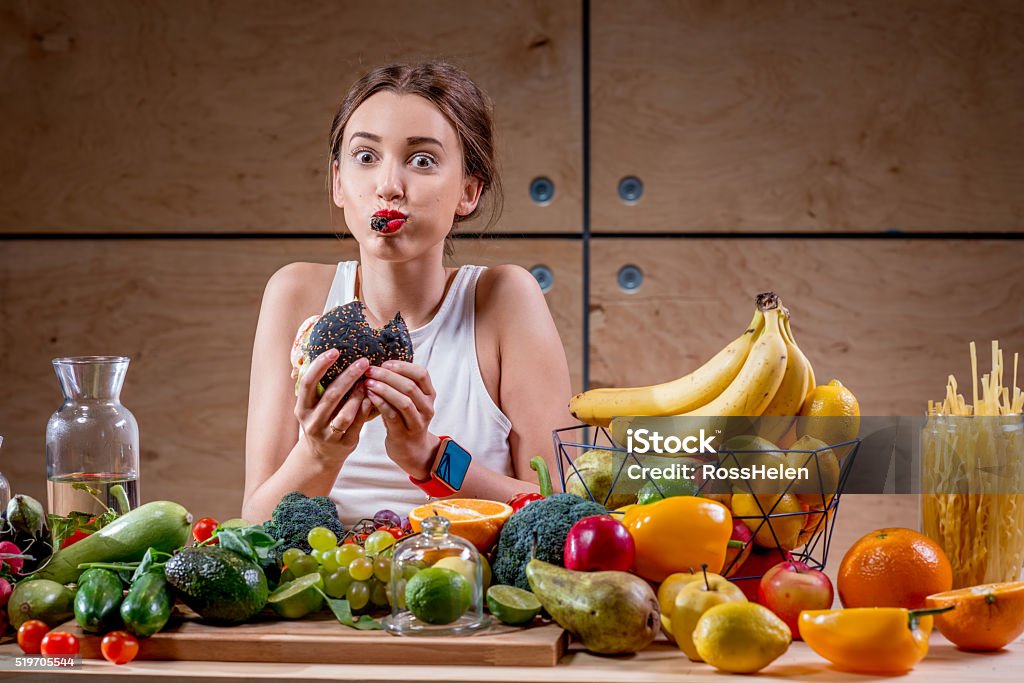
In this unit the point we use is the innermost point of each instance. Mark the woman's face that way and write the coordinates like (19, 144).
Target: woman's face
(400, 155)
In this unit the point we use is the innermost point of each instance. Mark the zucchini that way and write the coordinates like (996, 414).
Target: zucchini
(161, 525)
(147, 607)
(98, 600)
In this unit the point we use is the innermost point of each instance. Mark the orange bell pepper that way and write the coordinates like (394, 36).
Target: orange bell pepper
(679, 534)
(878, 640)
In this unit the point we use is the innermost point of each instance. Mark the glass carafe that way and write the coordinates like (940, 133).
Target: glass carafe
(5, 487)
(92, 440)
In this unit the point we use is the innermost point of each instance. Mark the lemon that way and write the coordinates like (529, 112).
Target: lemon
(741, 637)
(467, 568)
(298, 597)
(830, 413)
(511, 605)
(438, 595)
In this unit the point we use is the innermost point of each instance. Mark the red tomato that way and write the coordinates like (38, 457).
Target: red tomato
(204, 528)
(59, 643)
(30, 635)
(119, 647)
(396, 532)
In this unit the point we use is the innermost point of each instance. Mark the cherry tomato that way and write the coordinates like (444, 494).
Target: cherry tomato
(204, 528)
(74, 538)
(30, 634)
(396, 532)
(119, 647)
(59, 643)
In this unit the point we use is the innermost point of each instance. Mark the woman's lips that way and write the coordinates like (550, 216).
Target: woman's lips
(387, 221)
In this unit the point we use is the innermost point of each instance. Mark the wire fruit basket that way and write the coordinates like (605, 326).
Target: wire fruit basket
(592, 465)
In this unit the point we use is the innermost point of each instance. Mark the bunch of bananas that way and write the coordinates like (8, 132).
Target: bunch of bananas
(761, 372)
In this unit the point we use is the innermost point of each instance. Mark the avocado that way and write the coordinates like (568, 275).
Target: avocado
(218, 584)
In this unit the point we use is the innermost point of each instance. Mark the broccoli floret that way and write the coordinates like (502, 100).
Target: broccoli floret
(296, 514)
(551, 518)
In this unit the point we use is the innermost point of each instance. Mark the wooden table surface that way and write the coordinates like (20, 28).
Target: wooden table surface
(660, 663)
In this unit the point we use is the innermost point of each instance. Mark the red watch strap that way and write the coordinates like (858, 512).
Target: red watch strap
(432, 486)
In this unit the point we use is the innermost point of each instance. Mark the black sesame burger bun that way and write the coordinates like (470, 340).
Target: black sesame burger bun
(345, 328)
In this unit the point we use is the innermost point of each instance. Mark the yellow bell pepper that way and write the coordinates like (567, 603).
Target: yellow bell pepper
(679, 534)
(881, 640)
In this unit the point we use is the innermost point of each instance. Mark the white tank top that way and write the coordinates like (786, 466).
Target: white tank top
(369, 480)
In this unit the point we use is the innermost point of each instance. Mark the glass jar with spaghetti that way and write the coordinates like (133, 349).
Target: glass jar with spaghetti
(972, 460)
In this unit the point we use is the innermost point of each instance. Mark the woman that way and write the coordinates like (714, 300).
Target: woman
(489, 370)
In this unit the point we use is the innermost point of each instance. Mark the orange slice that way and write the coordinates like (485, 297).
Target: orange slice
(987, 617)
(477, 521)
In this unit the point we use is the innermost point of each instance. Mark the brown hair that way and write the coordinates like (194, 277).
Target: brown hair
(457, 97)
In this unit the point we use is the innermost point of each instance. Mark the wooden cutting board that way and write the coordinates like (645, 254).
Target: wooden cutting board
(321, 639)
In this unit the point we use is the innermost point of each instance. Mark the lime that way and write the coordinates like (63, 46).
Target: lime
(657, 489)
(512, 605)
(299, 597)
(437, 595)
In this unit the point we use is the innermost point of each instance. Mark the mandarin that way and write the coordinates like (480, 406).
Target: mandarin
(476, 520)
(986, 617)
(893, 567)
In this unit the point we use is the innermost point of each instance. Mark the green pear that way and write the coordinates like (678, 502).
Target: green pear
(610, 612)
(595, 471)
(692, 601)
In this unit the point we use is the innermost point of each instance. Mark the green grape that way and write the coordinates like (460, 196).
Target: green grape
(329, 561)
(304, 565)
(358, 594)
(321, 538)
(361, 568)
(336, 585)
(290, 556)
(379, 594)
(409, 570)
(382, 568)
(319, 555)
(378, 541)
(348, 552)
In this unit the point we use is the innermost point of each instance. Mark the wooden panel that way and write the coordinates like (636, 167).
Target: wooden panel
(816, 116)
(890, 318)
(213, 117)
(185, 311)
(324, 641)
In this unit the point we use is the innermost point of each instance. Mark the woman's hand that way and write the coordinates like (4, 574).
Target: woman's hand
(331, 428)
(404, 395)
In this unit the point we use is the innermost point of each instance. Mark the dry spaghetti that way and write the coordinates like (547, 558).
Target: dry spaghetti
(973, 476)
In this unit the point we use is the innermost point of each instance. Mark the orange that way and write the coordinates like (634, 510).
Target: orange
(986, 617)
(478, 521)
(893, 568)
(830, 413)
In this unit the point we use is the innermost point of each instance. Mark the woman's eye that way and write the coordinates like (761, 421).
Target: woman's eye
(364, 157)
(422, 161)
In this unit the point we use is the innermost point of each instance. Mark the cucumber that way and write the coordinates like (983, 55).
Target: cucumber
(147, 607)
(98, 600)
(162, 525)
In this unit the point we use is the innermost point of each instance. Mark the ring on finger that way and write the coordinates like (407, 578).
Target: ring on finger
(336, 430)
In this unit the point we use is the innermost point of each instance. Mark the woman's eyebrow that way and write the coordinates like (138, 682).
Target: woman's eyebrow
(415, 140)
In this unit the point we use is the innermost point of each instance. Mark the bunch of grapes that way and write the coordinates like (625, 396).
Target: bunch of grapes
(359, 569)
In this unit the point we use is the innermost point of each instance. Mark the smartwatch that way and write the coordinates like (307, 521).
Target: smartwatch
(448, 470)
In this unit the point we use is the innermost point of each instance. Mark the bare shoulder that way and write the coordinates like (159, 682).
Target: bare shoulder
(508, 288)
(299, 288)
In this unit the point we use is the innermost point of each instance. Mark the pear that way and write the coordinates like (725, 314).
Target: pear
(610, 612)
(755, 450)
(593, 474)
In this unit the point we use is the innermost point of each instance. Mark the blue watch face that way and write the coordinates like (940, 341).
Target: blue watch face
(452, 465)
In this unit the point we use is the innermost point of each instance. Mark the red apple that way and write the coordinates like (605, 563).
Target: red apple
(789, 587)
(599, 543)
(735, 557)
(758, 562)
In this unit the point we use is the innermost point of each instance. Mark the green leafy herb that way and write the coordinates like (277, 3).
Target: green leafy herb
(62, 528)
(343, 612)
(251, 542)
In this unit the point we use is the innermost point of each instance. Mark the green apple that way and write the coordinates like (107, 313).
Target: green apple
(692, 601)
